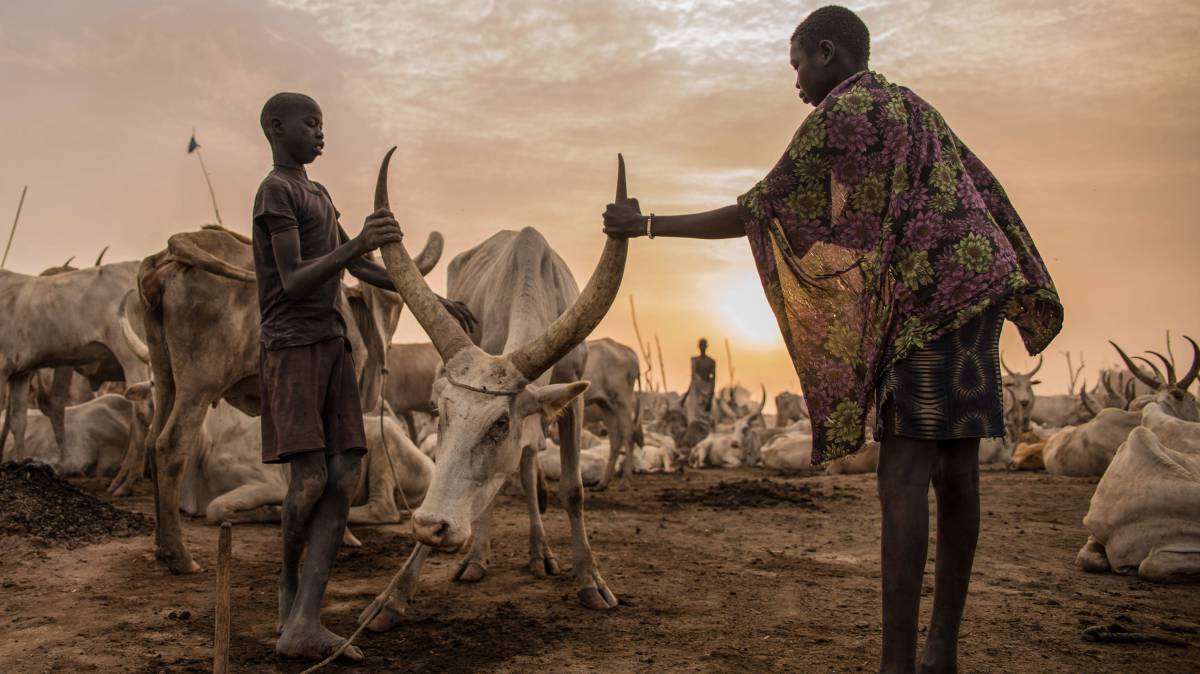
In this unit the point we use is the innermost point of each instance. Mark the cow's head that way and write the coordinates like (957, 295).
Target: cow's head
(1020, 386)
(488, 404)
(1169, 391)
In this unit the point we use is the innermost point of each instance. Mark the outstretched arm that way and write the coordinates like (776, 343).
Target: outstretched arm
(625, 220)
(366, 270)
(300, 277)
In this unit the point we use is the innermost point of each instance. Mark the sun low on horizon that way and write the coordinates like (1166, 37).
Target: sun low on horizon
(511, 114)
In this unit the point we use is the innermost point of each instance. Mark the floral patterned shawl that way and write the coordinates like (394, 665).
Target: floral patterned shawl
(877, 232)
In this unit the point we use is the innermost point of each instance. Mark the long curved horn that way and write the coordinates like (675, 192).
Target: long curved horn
(429, 256)
(1087, 402)
(762, 405)
(1106, 379)
(1130, 393)
(1036, 367)
(100, 257)
(1185, 382)
(445, 333)
(578, 321)
(1168, 365)
(1157, 373)
(1004, 365)
(135, 343)
(1138, 372)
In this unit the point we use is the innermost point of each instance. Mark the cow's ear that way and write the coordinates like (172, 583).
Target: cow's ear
(554, 398)
(1035, 382)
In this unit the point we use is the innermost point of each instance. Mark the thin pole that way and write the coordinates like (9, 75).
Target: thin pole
(644, 347)
(13, 231)
(221, 635)
(729, 358)
(661, 369)
(208, 181)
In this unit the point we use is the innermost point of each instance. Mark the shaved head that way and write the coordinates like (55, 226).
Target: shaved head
(281, 105)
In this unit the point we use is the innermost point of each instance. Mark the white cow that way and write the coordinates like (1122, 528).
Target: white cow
(1088, 449)
(737, 447)
(226, 480)
(790, 452)
(1143, 514)
(96, 438)
(521, 367)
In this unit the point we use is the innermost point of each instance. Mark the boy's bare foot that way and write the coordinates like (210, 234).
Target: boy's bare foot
(313, 643)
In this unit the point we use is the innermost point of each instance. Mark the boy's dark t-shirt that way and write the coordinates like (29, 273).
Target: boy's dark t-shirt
(286, 199)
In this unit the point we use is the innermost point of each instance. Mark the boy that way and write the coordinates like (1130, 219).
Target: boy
(311, 413)
(889, 255)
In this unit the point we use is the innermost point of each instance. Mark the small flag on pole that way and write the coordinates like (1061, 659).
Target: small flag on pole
(194, 147)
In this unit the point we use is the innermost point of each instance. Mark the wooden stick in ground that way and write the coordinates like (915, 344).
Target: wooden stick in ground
(13, 231)
(729, 360)
(221, 634)
(662, 370)
(418, 555)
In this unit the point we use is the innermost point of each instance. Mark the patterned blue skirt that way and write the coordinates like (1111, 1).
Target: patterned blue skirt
(950, 389)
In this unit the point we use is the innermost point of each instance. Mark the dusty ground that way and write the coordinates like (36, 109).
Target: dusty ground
(706, 585)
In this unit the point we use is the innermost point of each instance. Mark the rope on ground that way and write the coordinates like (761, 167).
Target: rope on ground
(418, 554)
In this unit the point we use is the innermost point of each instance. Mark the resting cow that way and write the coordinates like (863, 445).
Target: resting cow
(97, 434)
(1143, 514)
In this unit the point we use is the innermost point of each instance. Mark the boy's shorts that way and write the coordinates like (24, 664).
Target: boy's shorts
(309, 401)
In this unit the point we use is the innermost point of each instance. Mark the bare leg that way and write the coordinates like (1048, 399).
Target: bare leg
(303, 634)
(541, 559)
(956, 483)
(591, 589)
(905, 467)
(305, 487)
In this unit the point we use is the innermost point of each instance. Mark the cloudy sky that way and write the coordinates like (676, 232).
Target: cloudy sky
(510, 114)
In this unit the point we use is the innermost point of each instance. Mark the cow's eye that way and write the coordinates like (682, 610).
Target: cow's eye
(499, 430)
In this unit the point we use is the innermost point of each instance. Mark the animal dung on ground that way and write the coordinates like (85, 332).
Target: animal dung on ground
(761, 493)
(36, 503)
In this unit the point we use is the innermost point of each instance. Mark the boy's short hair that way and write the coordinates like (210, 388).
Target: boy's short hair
(838, 25)
(276, 105)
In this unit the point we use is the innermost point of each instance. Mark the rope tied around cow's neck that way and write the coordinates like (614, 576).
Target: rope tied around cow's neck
(483, 389)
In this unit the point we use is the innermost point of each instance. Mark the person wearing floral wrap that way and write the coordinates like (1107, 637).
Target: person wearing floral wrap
(889, 254)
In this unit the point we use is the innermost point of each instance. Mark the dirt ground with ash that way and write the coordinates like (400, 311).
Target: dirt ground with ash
(719, 572)
(47, 510)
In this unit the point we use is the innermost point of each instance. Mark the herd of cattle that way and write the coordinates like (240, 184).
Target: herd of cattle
(151, 367)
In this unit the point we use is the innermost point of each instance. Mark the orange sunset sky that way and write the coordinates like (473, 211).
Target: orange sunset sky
(510, 114)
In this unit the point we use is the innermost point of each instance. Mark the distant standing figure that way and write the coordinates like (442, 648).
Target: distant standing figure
(698, 400)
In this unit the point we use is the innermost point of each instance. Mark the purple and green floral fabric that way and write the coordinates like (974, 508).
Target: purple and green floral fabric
(876, 233)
